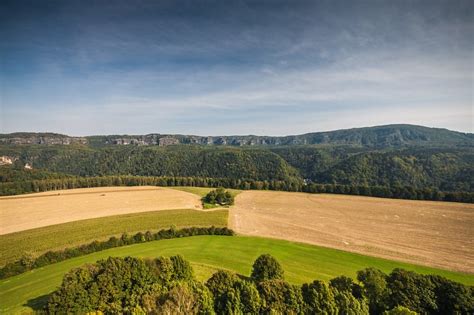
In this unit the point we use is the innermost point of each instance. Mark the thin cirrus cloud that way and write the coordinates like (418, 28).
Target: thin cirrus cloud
(243, 67)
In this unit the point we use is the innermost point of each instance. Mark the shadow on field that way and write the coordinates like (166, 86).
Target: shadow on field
(39, 303)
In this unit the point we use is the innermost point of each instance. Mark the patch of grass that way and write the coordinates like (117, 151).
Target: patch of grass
(302, 263)
(203, 191)
(207, 206)
(54, 237)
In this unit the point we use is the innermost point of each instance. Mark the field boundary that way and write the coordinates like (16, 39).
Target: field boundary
(35, 242)
(51, 257)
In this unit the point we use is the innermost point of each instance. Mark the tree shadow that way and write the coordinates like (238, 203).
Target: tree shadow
(38, 304)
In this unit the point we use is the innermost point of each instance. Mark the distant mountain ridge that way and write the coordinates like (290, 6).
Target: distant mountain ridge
(377, 137)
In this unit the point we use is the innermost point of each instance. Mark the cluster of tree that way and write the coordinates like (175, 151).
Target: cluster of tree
(167, 286)
(407, 192)
(29, 262)
(219, 196)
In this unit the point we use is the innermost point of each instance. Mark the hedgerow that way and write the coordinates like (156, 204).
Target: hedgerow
(28, 262)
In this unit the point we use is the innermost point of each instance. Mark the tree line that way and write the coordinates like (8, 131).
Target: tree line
(168, 286)
(29, 262)
(399, 192)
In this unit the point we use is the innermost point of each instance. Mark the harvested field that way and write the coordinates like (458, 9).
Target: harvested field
(438, 234)
(19, 213)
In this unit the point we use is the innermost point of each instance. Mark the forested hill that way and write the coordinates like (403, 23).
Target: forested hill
(443, 169)
(374, 137)
(183, 161)
(393, 157)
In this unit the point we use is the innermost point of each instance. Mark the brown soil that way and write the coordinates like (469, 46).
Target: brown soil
(438, 234)
(25, 212)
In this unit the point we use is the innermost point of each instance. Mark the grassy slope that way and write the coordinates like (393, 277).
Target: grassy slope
(37, 241)
(302, 263)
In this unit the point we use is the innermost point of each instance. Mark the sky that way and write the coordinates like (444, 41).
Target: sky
(234, 67)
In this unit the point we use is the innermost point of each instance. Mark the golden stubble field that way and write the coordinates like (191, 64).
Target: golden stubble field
(438, 234)
(23, 212)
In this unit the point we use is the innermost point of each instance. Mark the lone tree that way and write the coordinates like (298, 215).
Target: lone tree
(220, 197)
(265, 268)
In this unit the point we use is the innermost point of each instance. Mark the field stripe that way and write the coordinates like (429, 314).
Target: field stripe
(40, 240)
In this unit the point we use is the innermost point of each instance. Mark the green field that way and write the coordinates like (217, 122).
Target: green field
(302, 263)
(37, 241)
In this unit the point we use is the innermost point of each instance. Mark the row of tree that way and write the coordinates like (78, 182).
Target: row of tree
(168, 286)
(28, 262)
(14, 188)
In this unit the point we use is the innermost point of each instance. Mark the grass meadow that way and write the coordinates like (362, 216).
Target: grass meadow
(302, 263)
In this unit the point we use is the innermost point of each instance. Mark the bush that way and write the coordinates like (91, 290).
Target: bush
(280, 297)
(375, 289)
(220, 197)
(452, 297)
(182, 269)
(411, 290)
(233, 295)
(318, 298)
(265, 268)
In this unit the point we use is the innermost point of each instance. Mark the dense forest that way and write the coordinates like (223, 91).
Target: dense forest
(446, 169)
(183, 161)
(168, 286)
(390, 158)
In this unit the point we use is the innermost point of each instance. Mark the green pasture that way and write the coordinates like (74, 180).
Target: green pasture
(302, 263)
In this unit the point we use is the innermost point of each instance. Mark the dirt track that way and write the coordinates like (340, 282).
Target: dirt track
(438, 234)
(25, 212)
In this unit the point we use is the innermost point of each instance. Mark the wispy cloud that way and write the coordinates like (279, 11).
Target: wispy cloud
(245, 67)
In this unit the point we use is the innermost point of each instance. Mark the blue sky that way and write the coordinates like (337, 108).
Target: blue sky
(234, 67)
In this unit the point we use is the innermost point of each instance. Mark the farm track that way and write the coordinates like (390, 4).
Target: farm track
(438, 234)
